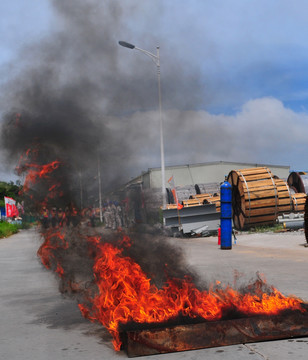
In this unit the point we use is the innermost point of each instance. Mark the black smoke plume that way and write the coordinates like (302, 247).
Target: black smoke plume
(73, 90)
(66, 104)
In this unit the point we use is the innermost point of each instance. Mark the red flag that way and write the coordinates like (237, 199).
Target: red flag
(10, 207)
(172, 185)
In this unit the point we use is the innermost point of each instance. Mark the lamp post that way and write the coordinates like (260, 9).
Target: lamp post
(156, 60)
(99, 188)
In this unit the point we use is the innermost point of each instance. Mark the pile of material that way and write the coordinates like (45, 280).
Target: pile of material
(258, 197)
(298, 181)
(203, 199)
(306, 220)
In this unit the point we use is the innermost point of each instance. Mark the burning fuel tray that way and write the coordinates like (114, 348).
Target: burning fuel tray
(216, 333)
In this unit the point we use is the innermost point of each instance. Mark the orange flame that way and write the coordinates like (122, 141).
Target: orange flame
(35, 172)
(46, 252)
(126, 294)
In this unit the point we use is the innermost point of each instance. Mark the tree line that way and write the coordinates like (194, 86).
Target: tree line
(11, 190)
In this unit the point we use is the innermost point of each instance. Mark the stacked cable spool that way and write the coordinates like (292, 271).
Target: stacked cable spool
(298, 201)
(258, 197)
(298, 181)
(306, 219)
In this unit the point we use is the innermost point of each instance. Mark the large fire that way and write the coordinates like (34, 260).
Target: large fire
(127, 295)
(124, 293)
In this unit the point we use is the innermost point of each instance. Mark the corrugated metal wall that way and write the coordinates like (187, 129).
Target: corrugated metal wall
(213, 172)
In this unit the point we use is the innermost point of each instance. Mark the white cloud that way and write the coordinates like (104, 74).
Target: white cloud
(263, 131)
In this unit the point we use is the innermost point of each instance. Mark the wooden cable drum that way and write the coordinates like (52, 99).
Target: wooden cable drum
(299, 201)
(285, 201)
(306, 219)
(299, 181)
(258, 197)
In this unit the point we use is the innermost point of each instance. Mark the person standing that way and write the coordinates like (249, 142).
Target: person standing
(61, 217)
(118, 216)
(113, 216)
(45, 217)
(54, 217)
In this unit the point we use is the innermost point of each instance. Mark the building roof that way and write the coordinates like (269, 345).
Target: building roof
(243, 164)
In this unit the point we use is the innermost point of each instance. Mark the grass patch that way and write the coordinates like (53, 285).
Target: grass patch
(7, 229)
(266, 228)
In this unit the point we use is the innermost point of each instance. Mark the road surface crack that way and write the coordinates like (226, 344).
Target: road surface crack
(257, 352)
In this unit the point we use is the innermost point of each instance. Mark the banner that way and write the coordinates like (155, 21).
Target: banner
(172, 185)
(10, 207)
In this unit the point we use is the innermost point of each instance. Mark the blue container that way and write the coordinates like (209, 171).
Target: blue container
(226, 216)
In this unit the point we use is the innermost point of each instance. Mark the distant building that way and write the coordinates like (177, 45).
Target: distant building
(144, 193)
(205, 173)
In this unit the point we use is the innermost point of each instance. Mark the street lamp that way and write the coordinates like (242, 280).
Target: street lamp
(156, 60)
(99, 188)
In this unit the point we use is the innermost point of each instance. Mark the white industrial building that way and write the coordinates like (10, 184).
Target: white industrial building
(145, 192)
(205, 173)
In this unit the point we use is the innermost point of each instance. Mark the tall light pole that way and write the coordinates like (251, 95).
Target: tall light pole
(156, 60)
(99, 188)
(81, 191)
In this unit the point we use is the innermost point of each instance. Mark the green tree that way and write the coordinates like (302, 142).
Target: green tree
(11, 190)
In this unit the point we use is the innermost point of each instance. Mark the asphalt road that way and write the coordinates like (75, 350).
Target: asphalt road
(38, 323)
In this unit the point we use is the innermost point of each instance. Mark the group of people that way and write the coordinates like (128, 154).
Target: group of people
(114, 216)
(58, 217)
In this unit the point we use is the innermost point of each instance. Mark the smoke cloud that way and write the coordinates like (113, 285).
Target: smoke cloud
(90, 101)
(74, 101)
(74, 89)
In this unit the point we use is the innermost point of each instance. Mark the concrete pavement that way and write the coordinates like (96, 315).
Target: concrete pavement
(38, 323)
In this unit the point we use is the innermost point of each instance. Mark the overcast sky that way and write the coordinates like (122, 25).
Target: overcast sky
(234, 73)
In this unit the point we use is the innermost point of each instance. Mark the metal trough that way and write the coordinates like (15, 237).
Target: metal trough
(213, 334)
